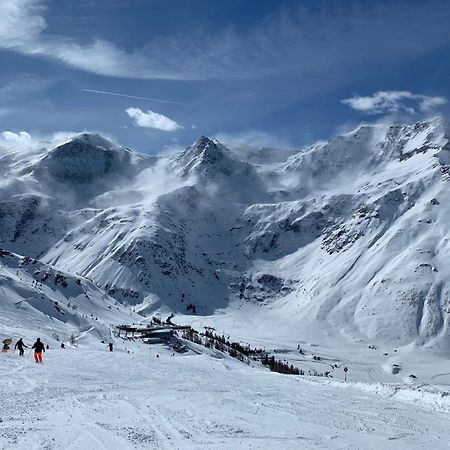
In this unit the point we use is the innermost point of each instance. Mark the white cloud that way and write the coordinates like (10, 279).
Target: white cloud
(301, 40)
(21, 23)
(428, 103)
(152, 119)
(21, 139)
(254, 138)
(383, 102)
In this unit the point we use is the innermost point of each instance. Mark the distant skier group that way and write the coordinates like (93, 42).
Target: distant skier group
(38, 348)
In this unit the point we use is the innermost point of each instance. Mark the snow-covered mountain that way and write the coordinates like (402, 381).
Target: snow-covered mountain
(348, 237)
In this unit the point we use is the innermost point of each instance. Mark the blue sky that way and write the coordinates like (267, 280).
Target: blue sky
(282, 73)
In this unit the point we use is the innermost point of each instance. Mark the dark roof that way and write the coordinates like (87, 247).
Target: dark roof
(150, 328)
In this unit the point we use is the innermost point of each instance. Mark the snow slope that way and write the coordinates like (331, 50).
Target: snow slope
(83, 398)
(36, 297)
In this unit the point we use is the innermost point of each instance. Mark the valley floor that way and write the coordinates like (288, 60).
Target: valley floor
(88, 398)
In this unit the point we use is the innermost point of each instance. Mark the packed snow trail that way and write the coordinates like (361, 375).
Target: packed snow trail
(89, 398)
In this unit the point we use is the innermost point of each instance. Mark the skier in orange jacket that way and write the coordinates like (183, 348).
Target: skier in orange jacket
(38, 347)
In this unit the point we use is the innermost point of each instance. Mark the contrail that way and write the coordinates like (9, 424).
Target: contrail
(132, 96)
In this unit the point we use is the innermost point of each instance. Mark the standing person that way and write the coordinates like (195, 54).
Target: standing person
(38, 349)
(20, 345)
(111, 346)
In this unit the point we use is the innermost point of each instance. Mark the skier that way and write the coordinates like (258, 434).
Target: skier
(20, 345)
(62, 345)
(38, 349)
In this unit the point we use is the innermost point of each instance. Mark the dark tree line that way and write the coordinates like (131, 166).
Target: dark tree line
(217, 342)
(276, 365)
(236, 350)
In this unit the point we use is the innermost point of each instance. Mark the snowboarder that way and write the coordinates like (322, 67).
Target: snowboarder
(20, 346)
(38, 347)
(62, 345)
(111, 346)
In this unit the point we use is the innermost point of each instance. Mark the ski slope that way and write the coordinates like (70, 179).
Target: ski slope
(88, 398)
(331, 256)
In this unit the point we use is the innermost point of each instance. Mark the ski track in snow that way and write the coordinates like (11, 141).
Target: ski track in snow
(87, 398)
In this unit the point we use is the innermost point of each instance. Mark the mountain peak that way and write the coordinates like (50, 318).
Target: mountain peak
(203, 141)
(81, 158)
(210, 150)
(206, 157)
(85, 141)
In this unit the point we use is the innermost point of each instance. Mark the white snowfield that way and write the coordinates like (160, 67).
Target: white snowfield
(88, 398)
(332, 256)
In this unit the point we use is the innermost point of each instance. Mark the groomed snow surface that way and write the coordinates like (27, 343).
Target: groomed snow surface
(86, 397)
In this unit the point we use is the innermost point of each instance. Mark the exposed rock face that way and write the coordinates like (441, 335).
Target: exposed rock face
(83, 159)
